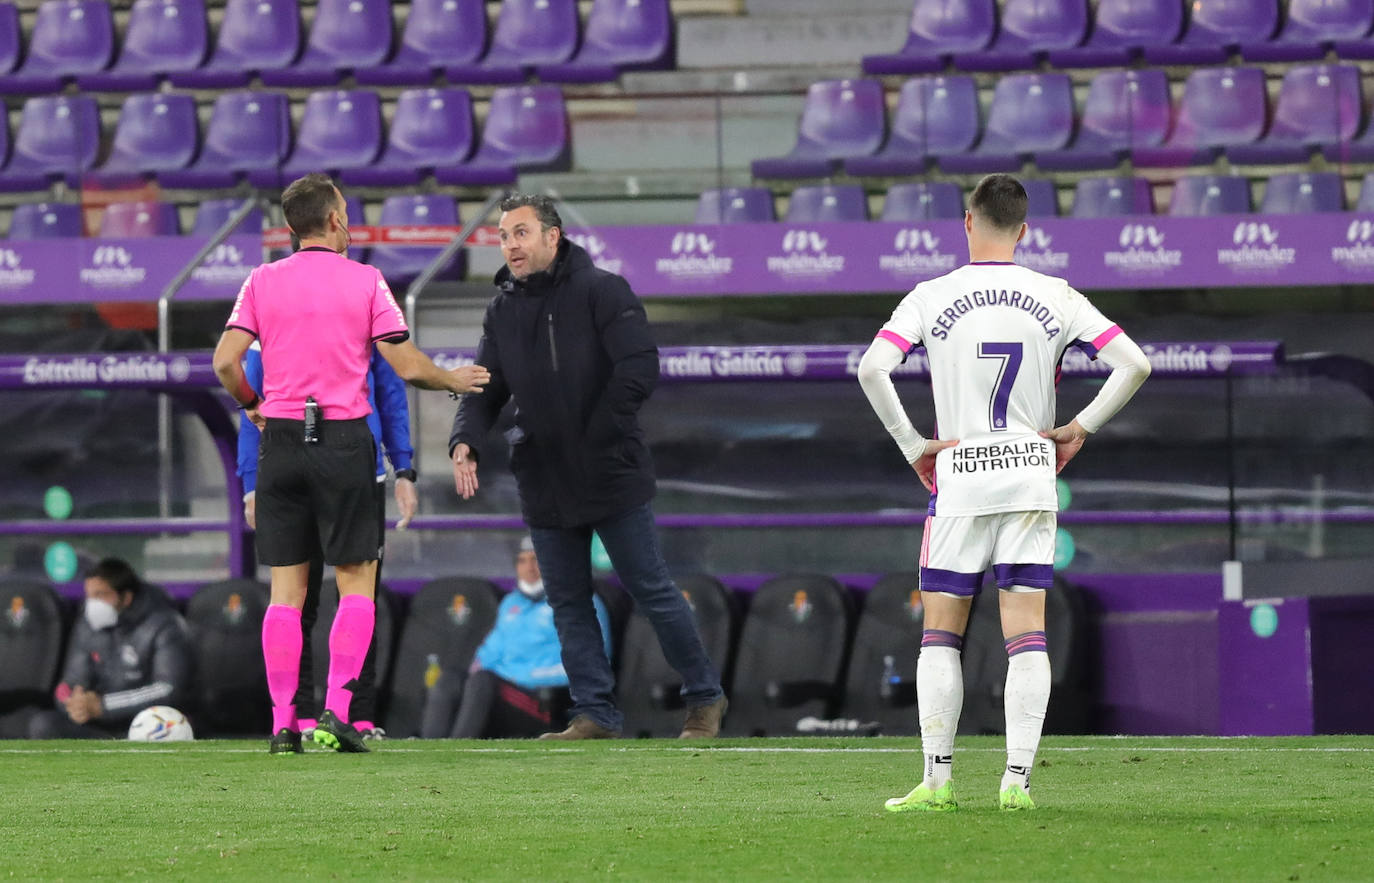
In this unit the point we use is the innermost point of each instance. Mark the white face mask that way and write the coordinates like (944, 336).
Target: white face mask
(100, 614)
(532, 590)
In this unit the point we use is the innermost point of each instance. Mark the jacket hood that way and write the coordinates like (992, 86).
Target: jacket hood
(148, 600)
(570, 258)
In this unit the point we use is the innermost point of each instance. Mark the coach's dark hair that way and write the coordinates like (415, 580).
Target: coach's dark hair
(308, 202)
(544, 208)
(1001, 201)
(116, 572)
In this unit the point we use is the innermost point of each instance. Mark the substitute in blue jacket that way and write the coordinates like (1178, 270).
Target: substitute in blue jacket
(504, 693)
(390, 425)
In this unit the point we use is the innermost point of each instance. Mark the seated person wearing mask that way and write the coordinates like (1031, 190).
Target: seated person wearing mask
(504, 692)
(128, 651)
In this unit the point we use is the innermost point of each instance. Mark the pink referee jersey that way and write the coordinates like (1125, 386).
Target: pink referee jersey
(316, 315)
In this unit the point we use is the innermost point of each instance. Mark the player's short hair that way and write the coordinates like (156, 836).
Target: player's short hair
(1000, 201)
(117, 573)
(544, 208)
(307, 203)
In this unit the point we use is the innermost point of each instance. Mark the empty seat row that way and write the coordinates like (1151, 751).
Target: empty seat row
(75, 39)
(975, 35)
(1126, 114)
(399, 264)
(1286, 193)
(249, 136)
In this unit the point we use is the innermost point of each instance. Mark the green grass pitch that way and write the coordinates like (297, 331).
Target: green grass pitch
(763, 809)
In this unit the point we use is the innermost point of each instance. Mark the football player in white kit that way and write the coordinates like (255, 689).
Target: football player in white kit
(994, 333)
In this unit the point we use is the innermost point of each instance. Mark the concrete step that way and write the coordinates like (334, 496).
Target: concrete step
(754, 42)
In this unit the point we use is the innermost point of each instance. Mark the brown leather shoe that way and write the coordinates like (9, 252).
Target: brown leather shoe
(703, 721)
(582, 727)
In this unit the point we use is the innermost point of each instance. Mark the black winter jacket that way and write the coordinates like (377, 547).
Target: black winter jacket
(145, 659)
(572, 346)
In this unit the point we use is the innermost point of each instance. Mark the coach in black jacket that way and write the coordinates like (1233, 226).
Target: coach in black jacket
(571, 345)
(128, 651)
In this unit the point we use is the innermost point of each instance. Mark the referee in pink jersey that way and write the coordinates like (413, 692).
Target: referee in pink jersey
(317, 315)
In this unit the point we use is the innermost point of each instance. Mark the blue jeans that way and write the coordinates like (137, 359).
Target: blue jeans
(631, 540)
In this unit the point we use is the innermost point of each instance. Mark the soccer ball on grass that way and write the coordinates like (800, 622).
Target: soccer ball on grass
(160, 723)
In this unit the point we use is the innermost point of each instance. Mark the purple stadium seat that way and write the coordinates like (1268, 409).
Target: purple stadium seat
(939, 28)
(1026, 31)
(163, 36)
(401, 264)
(1111, 196)
(1030, 113)
(213, 213)
(527, 127)
(1303, 192)
(1042, 197)
(346, 34)
(1216, 28)
(842, 118)
(130, 220)
(1220, 107)
(437, 32)
(46, 220)
(1120, 29)
(69, 37)
(58, 135)
(340, 129)
(1317, 105)
(255, 35)
(1123, 110)
(620, 35)
(1210, 195)
(157, 132)
(827, 202)
(528, 33)
(430, 129)
(1311, 26)
(1366, 203)
(736, 205)
(923, 201)
(249, 132)
(934, 116)
(11, 38)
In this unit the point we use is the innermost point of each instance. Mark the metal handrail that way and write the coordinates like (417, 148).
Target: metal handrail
(457, 242)
(164, 344)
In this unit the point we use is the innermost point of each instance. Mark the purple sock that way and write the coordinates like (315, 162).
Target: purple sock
(281, 655)
(349, 638)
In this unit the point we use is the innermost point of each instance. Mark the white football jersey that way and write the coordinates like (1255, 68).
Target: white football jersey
(995, 334)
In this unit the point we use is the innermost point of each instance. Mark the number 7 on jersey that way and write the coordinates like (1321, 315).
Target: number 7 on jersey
(1009, 357)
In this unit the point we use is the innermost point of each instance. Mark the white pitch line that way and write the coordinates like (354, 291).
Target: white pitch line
(132, 750)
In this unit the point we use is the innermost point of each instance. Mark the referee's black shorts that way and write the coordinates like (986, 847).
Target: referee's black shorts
(327, 489)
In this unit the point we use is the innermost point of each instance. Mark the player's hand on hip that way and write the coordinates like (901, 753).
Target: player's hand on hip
(407, 501)
(925, 464)
(255, 415)
(469, 379)
(464, 471)
(1068, 441)
(250, 509)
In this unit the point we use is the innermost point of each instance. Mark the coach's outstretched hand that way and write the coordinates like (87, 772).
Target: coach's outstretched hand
(1068, 441)
(925, 464)
(464, 471)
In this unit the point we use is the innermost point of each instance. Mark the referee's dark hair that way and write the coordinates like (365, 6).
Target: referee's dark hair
(118, 573)
(1000, 201)
(307, 203)
(544, 208)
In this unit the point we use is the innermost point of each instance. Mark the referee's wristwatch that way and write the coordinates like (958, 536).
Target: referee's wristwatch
(407, 474)
(248, 406)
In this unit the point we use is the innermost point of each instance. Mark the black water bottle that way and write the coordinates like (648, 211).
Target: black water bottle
(312, 421)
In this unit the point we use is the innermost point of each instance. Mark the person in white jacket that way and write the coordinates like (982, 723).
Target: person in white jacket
(994, 333)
